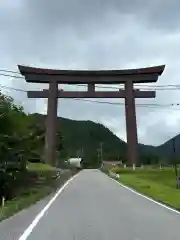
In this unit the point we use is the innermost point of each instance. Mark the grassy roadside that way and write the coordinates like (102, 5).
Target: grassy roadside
(24, 201)
(39, 167)
(29, 195)
(155, 183)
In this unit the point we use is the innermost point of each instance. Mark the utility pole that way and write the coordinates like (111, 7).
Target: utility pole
(78, 153)
(174, 155)
(101, 151)
(82, 152)
(175, 163)
(98, 153)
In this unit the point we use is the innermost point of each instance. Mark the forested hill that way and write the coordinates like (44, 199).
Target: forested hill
(167, 149)
(87, 135)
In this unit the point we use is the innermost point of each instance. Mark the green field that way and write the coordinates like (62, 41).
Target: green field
(156, 183)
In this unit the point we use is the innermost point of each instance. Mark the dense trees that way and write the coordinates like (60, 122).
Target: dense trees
(149, 159)
(20, 140)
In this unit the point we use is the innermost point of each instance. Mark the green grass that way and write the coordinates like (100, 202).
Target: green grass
(24, 201)
(39, 167)
(156, 183)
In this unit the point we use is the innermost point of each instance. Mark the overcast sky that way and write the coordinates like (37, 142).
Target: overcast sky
(96, 34)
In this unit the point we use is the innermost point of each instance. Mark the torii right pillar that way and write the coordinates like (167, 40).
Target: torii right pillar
(131, 124)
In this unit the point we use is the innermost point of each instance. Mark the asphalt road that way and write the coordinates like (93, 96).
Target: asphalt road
(94, 207)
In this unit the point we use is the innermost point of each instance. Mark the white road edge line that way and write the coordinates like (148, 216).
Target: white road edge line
(144, 196)
(28, 231)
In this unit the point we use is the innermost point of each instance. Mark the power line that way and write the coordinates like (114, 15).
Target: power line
(155, 105)
(9, 71)
(12, 88)
(147, 87)
(13, 76)
(94, 101)
(106, 102)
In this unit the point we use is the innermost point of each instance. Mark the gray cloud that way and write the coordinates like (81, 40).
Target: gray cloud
(90, 15)
(95, 35)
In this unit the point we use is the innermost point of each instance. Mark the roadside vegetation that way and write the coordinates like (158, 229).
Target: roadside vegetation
(160, 184)
(24, 177)
(36, 185)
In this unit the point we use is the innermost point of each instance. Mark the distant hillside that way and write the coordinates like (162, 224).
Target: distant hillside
(88, 135)
(166, 149)
(144, 149)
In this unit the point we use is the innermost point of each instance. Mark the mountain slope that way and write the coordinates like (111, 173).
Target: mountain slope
(88, 135)
(166, 150)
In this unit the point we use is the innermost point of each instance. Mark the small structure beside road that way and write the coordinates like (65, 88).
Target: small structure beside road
(110, 164)
(75, 162)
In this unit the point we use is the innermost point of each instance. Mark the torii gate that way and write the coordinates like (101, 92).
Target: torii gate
(126, 77)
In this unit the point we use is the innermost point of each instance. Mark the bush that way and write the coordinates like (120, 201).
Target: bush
(39, 184)
(105, 170)
(35, 160)
(13, 184)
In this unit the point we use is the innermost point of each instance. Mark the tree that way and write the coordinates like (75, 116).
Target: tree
(16, 143)
(149, 159)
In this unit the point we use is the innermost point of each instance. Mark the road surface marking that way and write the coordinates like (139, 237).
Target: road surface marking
(28, 231)
(144, 196)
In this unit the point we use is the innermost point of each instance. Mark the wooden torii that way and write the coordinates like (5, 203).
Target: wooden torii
(127, 77)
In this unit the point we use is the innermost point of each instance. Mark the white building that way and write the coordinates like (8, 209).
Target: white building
(75, 162)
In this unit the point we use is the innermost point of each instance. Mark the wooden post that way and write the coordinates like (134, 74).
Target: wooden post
(131, 126)
(91, 88)
(3, 201)
(51, 124)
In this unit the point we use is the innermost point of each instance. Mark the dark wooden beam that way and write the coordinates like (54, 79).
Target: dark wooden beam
(91, 76)
(91, 87)
(71, 94)
(51, 125)
(131, 125)
(85, 79)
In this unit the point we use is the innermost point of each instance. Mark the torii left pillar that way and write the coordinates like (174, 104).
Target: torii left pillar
(51, 124)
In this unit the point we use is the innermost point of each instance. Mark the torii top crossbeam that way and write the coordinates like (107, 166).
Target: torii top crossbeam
(140, 75)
